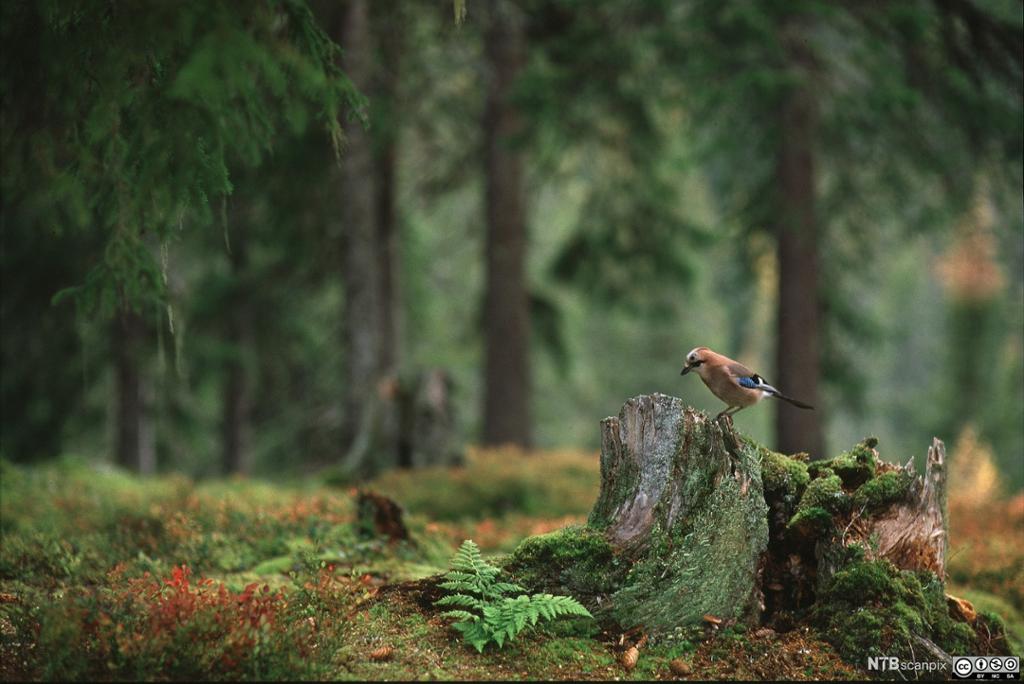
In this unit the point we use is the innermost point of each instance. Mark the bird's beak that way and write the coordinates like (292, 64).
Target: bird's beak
(686, 369)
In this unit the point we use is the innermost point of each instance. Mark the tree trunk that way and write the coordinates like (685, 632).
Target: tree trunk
(388, 29)
(506, 307)
(235, 404)
(362, 325)
(798, 319)
(426, 433)
(134, 448)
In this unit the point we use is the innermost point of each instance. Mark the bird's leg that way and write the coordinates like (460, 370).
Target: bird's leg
(725, 412)
(736, 409)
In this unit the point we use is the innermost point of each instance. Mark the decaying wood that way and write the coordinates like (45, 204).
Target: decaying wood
(688, 530)
(427, 433)
(681, 497)
(912, 534)
(379, 516)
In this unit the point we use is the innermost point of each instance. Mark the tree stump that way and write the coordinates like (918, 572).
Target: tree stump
(379, 516)
(897, 516)
(697, 524)
(681, 509)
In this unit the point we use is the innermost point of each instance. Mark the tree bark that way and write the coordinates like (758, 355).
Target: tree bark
(506, 304)
(361, 258)
(798, 349)
(132, 450)
(235, 403)
(678, 530)
(388, 29)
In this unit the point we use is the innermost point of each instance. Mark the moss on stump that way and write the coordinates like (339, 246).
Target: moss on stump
(872, 608)
(694, 520)
(681, 516)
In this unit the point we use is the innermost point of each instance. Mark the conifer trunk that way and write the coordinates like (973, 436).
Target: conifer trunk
(133, 449)
(361, 261)
(236, 402)
(388, 29)
(506, 303)
(798, 350)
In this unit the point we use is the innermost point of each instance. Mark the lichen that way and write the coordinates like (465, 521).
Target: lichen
(883, 490)
(703, 561)
(854, 467)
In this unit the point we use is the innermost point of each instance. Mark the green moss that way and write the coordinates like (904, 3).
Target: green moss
(692, 569)
(810, 522)
(883, 490)
(873, 608)
(823, 498)
(854, 467)
(871, 582)
(574, 652)
(783, 477)
(998, 611)
(826, 491)
(992, 624)
(577, 561)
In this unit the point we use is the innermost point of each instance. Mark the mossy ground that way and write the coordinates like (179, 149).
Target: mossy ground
(77, 543)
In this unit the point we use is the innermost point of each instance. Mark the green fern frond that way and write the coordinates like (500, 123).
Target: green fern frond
(460, 615)
(507, 587)
(460, 585)
(475, 633)
(499, 618)
(468, 559)
(459, 600)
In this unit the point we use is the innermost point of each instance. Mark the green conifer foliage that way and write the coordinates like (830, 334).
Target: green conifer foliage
(126, 118)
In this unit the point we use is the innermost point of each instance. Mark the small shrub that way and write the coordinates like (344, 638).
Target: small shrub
(483, 608)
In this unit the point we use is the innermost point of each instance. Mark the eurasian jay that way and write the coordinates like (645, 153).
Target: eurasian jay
(731, 381)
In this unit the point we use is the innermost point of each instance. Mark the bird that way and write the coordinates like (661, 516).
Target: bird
(732, 382)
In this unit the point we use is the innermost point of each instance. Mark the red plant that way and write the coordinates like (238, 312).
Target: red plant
(177, 618)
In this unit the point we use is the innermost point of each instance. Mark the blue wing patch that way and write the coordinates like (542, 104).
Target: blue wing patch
(749, 383)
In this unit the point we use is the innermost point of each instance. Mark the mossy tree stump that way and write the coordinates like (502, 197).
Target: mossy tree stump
(682, 513)
(694, 520)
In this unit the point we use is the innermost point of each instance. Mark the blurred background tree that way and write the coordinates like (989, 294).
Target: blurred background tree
(535, 213)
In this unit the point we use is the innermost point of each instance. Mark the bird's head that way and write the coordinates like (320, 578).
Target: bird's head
(695, 359)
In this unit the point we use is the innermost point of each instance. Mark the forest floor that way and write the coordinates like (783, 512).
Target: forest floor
(107, 576)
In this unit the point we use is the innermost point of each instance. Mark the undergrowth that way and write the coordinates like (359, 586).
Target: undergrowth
(108, 576)
(484, 611)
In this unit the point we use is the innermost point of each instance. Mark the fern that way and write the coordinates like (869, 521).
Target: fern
(481, 605)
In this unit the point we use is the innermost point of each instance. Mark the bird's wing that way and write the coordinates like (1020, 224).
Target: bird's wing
(741, 373)
(748, 378)
(738, 370)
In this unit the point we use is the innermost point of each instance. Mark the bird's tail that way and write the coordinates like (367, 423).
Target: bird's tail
(794, 402)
